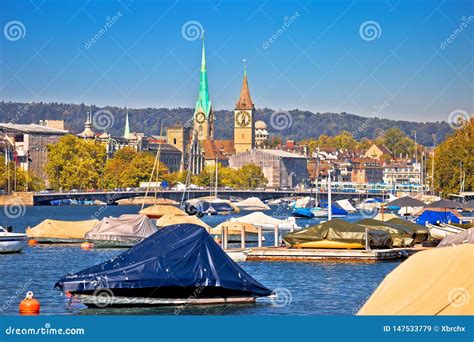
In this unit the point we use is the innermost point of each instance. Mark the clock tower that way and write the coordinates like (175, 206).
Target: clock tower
(203, 115)
(244, 132)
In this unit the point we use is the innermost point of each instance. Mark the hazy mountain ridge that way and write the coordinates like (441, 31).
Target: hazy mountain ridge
(295, 124)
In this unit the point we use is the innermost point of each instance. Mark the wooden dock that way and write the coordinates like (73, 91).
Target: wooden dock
(343, 255)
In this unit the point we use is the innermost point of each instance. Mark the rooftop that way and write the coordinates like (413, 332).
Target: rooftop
(31, 128)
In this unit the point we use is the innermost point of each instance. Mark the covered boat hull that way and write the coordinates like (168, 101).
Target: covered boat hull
(92, 302)
(330, 244)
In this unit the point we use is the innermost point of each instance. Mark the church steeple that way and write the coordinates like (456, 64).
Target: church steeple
(244, 117)
(245, 101)
(203, 115)
(126, 133)
(203, 103)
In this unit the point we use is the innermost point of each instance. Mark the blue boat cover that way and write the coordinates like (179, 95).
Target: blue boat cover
(434, 217)
(182, 255)
(302, 212)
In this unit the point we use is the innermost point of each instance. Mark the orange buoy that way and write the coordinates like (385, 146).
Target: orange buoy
(87, 245)
(29, 305)
(32, 242)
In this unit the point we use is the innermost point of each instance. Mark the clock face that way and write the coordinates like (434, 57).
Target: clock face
(243, 119)
(200, 117)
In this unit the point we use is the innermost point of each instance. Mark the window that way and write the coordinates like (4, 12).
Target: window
(174, 141)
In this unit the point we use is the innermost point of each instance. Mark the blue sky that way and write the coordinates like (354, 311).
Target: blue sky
(310, 55)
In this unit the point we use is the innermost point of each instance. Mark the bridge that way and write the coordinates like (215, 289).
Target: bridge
(113, 196)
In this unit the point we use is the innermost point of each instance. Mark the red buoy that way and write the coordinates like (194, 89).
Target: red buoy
(87, 245)
(29, 305)
(32, 242)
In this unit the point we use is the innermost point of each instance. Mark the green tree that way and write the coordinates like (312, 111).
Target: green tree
(20, 180)
(252, 176)
(75, 163)
(454, 160)
(345, 141)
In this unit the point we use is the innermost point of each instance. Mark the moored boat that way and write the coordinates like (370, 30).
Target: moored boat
(11, 242)
(178, 265)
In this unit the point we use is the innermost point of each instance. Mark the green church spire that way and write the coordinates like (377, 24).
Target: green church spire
(203, 103)
(126, 133)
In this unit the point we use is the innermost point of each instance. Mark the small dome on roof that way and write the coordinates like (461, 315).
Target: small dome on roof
(260, 125)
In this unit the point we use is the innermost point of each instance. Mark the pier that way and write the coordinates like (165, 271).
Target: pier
(345, 255)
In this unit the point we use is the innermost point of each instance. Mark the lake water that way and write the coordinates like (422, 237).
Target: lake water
(306, 288)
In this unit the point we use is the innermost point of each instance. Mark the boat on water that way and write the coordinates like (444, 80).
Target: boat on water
(178, 265)
(56, 231)
(234, 232)
(302, 213)
(338, 234)
(252, 204)
(433, 282)
(442, 231)
(121, 232)
(259, 219)
(11, 242)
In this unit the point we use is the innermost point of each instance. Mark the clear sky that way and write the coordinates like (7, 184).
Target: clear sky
(336, 56)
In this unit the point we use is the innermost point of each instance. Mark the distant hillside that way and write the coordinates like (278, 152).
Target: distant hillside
(304, 124)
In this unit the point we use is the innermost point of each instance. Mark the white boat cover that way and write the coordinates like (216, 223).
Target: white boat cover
(123, 228)
(259, 219)
(346, 205)
(466, 236)
(252, 203)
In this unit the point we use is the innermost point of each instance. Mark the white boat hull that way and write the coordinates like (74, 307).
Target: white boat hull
(11, 246)
(110, 301)
(237, 256)
(441, 232)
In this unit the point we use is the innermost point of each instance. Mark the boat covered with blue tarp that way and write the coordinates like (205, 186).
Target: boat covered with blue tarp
(435, 217)
(179, 264)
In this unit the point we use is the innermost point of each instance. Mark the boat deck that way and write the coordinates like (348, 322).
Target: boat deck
(345, 255)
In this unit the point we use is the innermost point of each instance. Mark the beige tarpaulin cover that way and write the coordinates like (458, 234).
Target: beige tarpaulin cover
(54, 229)
(386, 216)
(439, 281)
(466, 236)
(124, 228)
(169, 220)
(252, 203)
(234, 228)
(156, 211)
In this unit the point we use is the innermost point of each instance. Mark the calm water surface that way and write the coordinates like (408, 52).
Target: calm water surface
(309, 288)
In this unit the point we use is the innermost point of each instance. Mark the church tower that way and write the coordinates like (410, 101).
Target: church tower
(203, 115)
(244, 132)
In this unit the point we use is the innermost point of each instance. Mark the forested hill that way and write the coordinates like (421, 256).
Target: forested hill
(294, 124)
